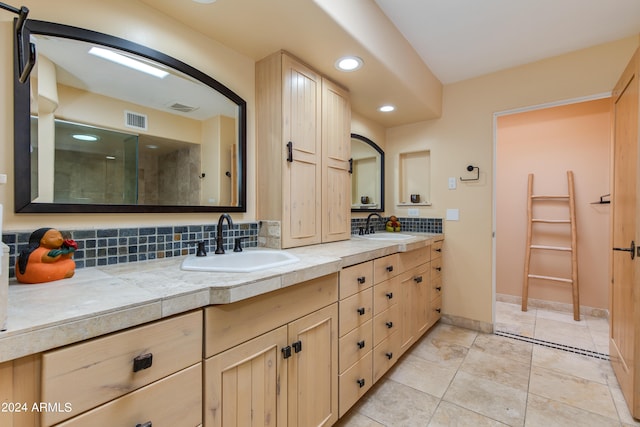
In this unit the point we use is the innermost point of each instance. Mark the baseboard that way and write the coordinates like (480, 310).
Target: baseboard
(463, 322)
(554, 305)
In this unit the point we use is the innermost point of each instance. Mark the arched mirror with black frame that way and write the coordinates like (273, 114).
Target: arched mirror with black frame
(108, 125)
(367, 183)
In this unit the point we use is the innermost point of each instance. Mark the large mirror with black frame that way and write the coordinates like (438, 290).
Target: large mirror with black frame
(107, 125)
(367, 183)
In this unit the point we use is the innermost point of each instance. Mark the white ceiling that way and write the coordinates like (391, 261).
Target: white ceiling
(461, 39)
(456, 39)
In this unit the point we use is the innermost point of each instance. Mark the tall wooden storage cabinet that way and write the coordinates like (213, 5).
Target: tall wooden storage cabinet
(303, 151)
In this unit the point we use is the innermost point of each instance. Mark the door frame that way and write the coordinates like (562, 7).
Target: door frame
(496, 115)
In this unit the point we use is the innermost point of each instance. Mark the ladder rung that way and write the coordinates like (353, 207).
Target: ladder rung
(561, 196)
(551, 248)
(557, 279)
(552, 221)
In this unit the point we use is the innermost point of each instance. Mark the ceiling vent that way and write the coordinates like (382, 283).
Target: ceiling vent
(135, 120)
(178, 106)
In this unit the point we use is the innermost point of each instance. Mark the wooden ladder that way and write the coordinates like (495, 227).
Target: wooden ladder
(573, 281)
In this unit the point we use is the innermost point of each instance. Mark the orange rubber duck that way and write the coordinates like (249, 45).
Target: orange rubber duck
(46, 258)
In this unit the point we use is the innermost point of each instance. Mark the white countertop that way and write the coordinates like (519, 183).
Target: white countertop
(101, 300)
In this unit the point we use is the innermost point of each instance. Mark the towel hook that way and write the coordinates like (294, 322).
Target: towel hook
(470, 168)
(24, 68)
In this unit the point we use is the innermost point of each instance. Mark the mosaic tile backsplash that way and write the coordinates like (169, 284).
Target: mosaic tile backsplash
(122, 245)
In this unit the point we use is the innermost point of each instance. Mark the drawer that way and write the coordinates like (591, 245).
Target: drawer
(436, 269)
(175, 401)
(96, 371)
(436, 287)
(355, 278)
(227, 325)
(354, 383)
(385, 268)
(411, 259)
(386, 294)
(385, 355)
(355, 311)
(386, 323)
(353, 346)
(436, 249)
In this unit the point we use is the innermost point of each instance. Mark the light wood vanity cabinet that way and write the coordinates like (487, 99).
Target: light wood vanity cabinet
(436, 281)
(303, 126)
(273, 358)
(151, 373)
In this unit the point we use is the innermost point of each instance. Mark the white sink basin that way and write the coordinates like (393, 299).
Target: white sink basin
(239, 262)
(386, 236)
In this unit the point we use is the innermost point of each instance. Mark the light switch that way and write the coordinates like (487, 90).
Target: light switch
(452, 183)
(3, 178)
(453, 214)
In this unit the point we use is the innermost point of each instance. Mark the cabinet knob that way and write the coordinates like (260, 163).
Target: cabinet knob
(361, 311)
(389, 325)
(361, 344)
(390, 268)
(147, 424)
(389, 295)
(286, 352)
(361, 382)
(438, 268)
(439, 250)
(438, 310)
(438, 288)
(362, 279)
(297, 346)
(418, 279)
(143, 361)
(389, 355)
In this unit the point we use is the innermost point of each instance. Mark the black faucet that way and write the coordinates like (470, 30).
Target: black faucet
(219, 240)
(369, 229)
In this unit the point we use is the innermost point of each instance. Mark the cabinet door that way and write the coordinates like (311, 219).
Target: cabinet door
(302, 215)
(336, 152)
(415, 305)
(242, 385)
(313, 369)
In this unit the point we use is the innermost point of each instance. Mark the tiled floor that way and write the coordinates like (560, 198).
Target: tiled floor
(458, 377)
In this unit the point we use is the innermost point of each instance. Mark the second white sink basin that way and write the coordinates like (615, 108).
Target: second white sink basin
(239, 262)
(386, 236)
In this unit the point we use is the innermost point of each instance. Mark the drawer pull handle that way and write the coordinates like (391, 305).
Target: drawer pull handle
(290, 152)
(418, 279)
(389, 355)
(297, 346)
(390, 268)
(389, 325)
(147, 424)
(438, 310)
(362, 279)
(389, 295)
(439, 250)
(438, 288)
(143, 361)
(438, 268)
(286, 352)
(361, 311)
(361, 382)
(361, 344)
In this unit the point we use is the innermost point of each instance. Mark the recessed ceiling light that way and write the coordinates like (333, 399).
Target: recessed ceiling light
(127, 61)
(349, 63)
(110, 157)
(387, 108)
(85, 137)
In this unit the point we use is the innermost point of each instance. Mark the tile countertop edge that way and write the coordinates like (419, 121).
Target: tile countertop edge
(316, 261)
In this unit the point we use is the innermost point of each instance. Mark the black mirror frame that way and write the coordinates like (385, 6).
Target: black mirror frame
(22, 129)
(381, 152)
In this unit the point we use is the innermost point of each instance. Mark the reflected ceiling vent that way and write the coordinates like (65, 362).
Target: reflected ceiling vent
(178, 106)
(135, 120)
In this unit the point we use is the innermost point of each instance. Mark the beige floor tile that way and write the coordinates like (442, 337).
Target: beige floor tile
(450, 415)
(571, 390)
(451, 334)
(355, 419)
(550, 413)
(622, 408)
(495, 368)
(561, 316)
(446, 354)
(504, 347)
(585, 367)
(393, 404)
(510, 318)
(422, 375)
(560, 332)
(489, 398)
